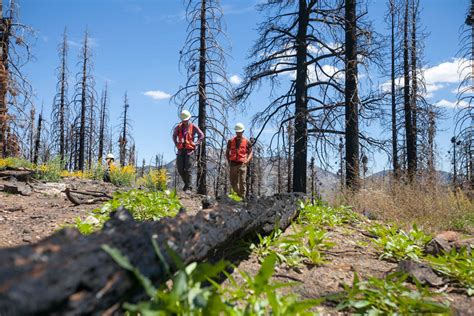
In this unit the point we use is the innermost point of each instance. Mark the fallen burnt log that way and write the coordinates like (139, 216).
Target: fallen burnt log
(86, 197)
(70, 274)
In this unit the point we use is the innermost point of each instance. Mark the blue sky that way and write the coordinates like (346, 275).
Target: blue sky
(136, 45)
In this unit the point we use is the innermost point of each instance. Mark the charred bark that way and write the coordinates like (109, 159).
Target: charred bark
(410, 145)
(202, 115)
(351, 98)
(301, 102)
(395, 164)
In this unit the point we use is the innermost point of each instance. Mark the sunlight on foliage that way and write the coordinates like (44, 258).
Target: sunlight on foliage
(396, 244)
(195, 291)
(50, 171)
(387, 297)
(122, 176)
(233, 196)
(322, 215)
(143, 205)
(154, 180)
(457, 265)
(12, 162)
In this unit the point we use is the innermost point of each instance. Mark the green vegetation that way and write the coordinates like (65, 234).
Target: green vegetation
(304, 246)
(195, 291)
(154, 180)
(322, 215)
(144, 205)
(396, 244)
(457, 265)
(387, 297)
(233, 196)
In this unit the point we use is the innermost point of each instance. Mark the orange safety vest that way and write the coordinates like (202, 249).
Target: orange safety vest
(238, 154)
(188, 141)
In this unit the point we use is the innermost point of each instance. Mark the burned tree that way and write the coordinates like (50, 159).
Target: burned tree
(206, 86)
(103, 122)
(38, 139)
(351, 97)
(83, 102)
(410, 134)
(125, 129)
(15, 90)
(60, 109)
(464, 118)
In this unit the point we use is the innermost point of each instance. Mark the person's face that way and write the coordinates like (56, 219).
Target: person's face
(239, 134)
(108, 161)
(185, 122)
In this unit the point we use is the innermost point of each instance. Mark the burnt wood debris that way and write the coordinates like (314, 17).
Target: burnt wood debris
(70, 274)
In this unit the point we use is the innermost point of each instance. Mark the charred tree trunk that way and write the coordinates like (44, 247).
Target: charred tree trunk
(289, 156)
(414, 82)
(202, 157)
(410, 146)
(351, 97)
(62, 101)
(102, 123)
(123, 138)
(83, 110)
(91, 126)
(301, 102)
(38, 139)
(4, 77)
(81, 278)
(32, 133)
(395, 164)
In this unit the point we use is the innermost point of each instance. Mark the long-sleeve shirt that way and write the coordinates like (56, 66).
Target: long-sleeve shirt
(196, 132)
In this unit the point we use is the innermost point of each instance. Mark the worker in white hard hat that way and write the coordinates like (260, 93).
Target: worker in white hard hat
(184, 136)
(239, 154)
(109, 160)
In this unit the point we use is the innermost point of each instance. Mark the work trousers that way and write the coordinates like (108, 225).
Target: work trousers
(238, 178)
(184, 163)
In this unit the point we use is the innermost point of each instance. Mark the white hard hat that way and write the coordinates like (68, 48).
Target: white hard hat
(239, 127)
(185, 115)
(110, 156)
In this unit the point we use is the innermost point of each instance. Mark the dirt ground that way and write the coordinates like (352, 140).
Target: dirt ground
(28, 219)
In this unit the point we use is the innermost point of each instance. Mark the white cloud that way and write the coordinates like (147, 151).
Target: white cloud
(235, 79)
(447, 72)
(157, 95)
(452, 105)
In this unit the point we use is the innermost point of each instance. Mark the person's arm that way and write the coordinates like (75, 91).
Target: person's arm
(175, 135)
(200, 134)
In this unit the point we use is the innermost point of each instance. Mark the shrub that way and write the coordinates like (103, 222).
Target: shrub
(143, 205)
(122, 176)
(155, 180)
(50, 171)
(13, 162)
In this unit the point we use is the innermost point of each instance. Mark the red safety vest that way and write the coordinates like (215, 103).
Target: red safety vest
(238, 154)
(188, 141)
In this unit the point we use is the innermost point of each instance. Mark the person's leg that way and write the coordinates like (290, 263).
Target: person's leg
(188, 164)
(180, 166)
(242, 181)
(234, 177)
